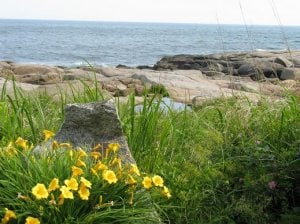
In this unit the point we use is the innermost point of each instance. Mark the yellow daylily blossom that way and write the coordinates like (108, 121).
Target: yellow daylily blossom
(48, 135)
(22, 143)
(116, 161)
(131, 198)
(97, 147)
(80, 163)
(94, 172)
(55, 145)
(61, 199)
(134, 169)
(76, 171)
(109, 176)
(10, 149)
(65, 193)
(158, 181)
(40, 191)
(65, 145)
(147, 182)
(32, 220)
(85, 182)
(114, 147)
(54, 184)
(9, 214)
(130, 180)
(95, 155)
(166, 192)
(72, 184)
(100, 166)
(83, 192)
(81, 153)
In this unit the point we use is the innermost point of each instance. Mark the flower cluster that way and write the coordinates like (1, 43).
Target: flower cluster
(10, 215)
(99, 167)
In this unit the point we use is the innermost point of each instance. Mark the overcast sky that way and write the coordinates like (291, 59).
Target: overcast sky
(182, 11)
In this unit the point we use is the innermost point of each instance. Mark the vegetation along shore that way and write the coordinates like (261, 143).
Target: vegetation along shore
(232, 157)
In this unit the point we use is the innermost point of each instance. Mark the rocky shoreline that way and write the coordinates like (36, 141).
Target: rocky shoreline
(187, 78)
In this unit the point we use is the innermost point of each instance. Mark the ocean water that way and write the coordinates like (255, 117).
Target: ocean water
(71, 43)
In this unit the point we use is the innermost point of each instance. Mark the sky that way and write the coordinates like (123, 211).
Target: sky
(251, 12)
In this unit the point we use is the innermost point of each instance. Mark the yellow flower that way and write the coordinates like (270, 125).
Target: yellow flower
(53, 185)
(72, 184)
(65, 193)
(116, 161)
(85, 182)
(10, 149)
(114, 147)
(83, 192)
(109, 176)
(94, 171)
(131, 198)
(131, 180)
(95, 155)
(47, 135)
(166, 192)
(147, 182)
(55, 145)
(97, 147)
(22, 143)
(80, 163)
(61, 199)
(40, 191)
(76, 171)
(158, 181)
(71, 153)
(31, 220)
(65, 145)
(134, 169)
(100, 166)
(81, 153)
(9, 214)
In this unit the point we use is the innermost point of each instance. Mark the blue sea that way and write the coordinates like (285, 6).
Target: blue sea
(71, 43)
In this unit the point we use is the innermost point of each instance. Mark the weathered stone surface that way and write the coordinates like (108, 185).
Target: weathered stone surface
(75, 73)
(86, 125)
(40, 79)
(4, 65)
(290, 73)
(267, 69)
(283, 61)
(22, 69)
(214, 74)
(255, 64)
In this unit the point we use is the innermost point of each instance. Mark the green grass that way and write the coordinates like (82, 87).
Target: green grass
(217, 160)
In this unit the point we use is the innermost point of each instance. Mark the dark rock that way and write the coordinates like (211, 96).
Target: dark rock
(123, 66)
(283, 61)
(248, 69)
(217, 67)
(268, 69)
(290, 73)
(144, 67)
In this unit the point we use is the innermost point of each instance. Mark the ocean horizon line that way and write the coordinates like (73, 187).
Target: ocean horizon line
(146, 22)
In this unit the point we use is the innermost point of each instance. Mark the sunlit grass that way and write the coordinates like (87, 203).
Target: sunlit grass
(228, 161)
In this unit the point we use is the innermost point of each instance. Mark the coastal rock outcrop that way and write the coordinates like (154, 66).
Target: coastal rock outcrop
(258, 65)
(213, 76)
